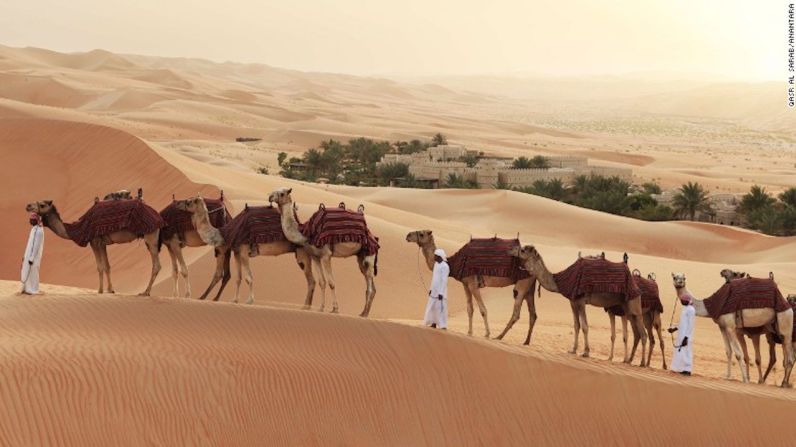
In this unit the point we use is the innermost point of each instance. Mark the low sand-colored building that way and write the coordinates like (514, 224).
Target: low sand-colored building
(437, 163)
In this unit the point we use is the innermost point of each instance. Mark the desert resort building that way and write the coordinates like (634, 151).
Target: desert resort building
(437, 163)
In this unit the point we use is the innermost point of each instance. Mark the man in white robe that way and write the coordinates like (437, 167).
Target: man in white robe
(437, 307)
(31, 261)
(683, 355)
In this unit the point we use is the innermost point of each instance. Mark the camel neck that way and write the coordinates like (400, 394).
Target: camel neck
(428, 253)
(290, 225)
(209, 234)
(52, 220)
(545, 277)
(699, 305)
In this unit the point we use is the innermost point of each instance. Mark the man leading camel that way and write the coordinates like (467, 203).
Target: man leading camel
(31, 261)
(437, 307)
(683, 359)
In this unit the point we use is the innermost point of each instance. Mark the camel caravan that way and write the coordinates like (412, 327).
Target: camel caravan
(742, 307)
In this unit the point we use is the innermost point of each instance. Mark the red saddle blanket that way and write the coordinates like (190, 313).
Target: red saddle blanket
(109, 216)
(179, 221)
(587, 276)
(650, 297)
(254, 225)
(745, 293)
(487, 257)
(329, 226)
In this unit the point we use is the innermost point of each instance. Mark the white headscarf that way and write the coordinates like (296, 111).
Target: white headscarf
(441, 253)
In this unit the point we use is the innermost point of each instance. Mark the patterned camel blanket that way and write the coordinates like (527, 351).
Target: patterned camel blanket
(337, 225)
(588, 276)
(254, 225)
(650, 297)
(110, 216)
(179, 221)
(487, 257)
(745, 293)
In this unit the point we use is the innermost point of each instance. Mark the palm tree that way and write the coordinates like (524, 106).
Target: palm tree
(788, 197)
(757, 199)
(439, 140)
(540, 162)
(521, 163)
(691, 198)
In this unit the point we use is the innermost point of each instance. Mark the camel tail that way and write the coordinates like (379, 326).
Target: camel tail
(376, 264)
(160, 239)
(539, 293)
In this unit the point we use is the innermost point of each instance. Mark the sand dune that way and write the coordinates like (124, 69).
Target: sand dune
(162, 371)
(109, 370)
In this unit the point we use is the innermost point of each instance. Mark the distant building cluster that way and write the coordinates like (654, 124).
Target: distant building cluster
(724, 207)
(437, 163)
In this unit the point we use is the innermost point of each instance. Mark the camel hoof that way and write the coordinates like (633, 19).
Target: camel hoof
(571, 351)
(334, 310)
(305, 307)
(585, 355)
(142, 294)
(235, 301)
(363, 315)
(611, 358)
(249, 301)
(321, 309)
(469, 333)
(486, 335)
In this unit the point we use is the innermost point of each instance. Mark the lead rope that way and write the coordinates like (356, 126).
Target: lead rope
(671, 321)
(420, 279)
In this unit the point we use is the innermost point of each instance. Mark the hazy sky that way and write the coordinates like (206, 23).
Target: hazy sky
(734, 38)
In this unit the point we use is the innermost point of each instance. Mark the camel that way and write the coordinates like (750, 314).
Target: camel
(754, 334)
(749, 318)
(212, 236)
(652, 321)
(774, 340)
(175, 239)
(632, 307)
(52, 220)
(323, 255)
(523, 288)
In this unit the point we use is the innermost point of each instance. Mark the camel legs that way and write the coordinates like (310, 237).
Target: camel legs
(175, 289)
(246, 269)
(729, 332)
(151, 241)
(728, 352)
(785, 326)
(222, 273)
(648, 324)
(576, 322)
(321, 281)
(584, 326)
(238, 275)
(326, 266)
(481, 307)
(367, 267)
(612, 317)
(515, 315)
(656, 323)
(103, 249)
(100, 263)
(305, 264)
(183, 272)
(772, 355)
(639, 332)
(624, 339)
(469, 295)
(746, 361)
(529, 298)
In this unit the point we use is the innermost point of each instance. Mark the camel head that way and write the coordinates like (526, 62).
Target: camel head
(679, 280)
(525, 253)
(42, 207)
(191, 205)
(420, 237)
(729, 275)
(281, 196)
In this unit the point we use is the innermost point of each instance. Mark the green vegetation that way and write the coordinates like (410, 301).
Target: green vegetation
(354, 163)
(458, 182)
(764, 213)
(537, 162)
(689, 199)
(439, 140)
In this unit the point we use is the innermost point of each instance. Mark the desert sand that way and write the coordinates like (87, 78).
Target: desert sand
(84, 369)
